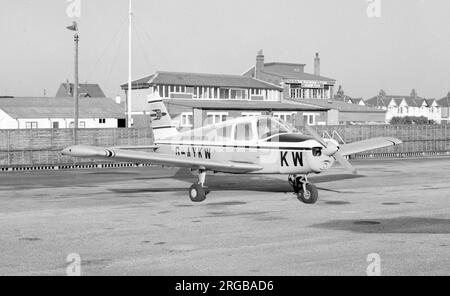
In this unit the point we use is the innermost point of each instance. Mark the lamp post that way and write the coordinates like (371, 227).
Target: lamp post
(74, 27)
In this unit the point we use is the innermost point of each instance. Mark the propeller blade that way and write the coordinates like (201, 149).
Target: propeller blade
(344, 162)
(315, 135)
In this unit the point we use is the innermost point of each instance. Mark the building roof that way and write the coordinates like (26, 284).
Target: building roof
(200, 79)
(35, 108)
(345, 98)
(445, 101)
(289, 71)
(340, 105)
(84, 90)
(246, 105)
(385, 100)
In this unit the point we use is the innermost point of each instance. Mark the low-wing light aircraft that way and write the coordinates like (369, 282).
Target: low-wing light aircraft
(247, 145)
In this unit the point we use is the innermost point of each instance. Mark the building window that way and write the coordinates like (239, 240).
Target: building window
(285, 116)
(243, 132)
(224, 93)
(190, 89)
(238, 94)
(31, 125)
(217, 117)
(102, 121)
(296, 91)
(309, 118)
(55, 124)
(82, 124)
(250, 114)
(186, 119)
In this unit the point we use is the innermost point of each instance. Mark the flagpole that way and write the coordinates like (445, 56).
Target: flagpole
(75, 93)
(129, 65)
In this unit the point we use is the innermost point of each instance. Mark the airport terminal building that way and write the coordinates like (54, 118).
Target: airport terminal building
(296, 83)
(194, 99)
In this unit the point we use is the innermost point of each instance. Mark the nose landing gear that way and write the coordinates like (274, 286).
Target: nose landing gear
(306, 192)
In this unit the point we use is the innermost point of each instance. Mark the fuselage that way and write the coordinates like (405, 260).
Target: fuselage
(263, 141)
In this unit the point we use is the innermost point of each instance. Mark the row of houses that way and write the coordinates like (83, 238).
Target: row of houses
(283, 90)
(410, 105)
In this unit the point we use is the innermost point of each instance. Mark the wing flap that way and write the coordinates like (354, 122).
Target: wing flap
(159, 158)
(369, 144)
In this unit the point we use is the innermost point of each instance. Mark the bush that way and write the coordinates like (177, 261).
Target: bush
(411, 120)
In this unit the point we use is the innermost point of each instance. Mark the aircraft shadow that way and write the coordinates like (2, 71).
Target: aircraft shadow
(259, 183)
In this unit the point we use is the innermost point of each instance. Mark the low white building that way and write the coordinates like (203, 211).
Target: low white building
(44, 113)
(403, 106)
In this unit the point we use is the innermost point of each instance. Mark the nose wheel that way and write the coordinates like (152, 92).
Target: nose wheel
(306, 192)
(198, 192)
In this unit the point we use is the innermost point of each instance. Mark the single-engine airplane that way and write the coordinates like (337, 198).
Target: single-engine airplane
(247, 145)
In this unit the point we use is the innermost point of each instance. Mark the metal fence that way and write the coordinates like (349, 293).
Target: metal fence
(43, 146)
(417, 139)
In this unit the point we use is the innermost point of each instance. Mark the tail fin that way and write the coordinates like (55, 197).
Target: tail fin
(161, 121)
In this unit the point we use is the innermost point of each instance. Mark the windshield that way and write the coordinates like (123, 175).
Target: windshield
(268, 127)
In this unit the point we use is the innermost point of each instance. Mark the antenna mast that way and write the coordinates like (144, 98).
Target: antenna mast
(130, 19)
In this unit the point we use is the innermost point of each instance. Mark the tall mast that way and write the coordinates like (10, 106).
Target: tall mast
(129, 65)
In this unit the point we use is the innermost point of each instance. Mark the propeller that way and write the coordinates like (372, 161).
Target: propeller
(331, 149)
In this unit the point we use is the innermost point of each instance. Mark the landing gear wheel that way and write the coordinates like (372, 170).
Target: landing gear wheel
(197, 193)
(308, 196)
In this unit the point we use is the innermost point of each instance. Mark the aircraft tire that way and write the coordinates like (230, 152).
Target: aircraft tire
(197, 193)
(311, 195)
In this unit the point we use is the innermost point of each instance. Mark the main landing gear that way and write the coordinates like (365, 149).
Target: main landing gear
(198, 192)
(306, 192)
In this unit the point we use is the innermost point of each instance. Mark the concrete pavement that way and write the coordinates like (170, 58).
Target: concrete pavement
(141, 222)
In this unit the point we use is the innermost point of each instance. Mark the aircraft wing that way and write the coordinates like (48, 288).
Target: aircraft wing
(159, 158)
(369, 144)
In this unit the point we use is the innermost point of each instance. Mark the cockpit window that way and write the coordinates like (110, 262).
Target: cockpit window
(243, 132)
(268, 127)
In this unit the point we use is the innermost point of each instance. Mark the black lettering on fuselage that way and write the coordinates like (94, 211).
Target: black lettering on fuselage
(284, 161)
(297, 157)
(208, 153)
(193, 152)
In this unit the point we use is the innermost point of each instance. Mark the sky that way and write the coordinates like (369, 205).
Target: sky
(406, 47)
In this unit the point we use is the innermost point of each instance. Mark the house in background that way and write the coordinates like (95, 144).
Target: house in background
(341, 96)
(296, 83)
(84, 90)
(402, 106)
(444, 103)
(33, 113)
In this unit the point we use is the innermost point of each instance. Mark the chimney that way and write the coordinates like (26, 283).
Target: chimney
(69, 92)
(317, 65)
(259, 63)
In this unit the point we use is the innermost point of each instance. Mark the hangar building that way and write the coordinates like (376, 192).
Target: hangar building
(33, 113)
